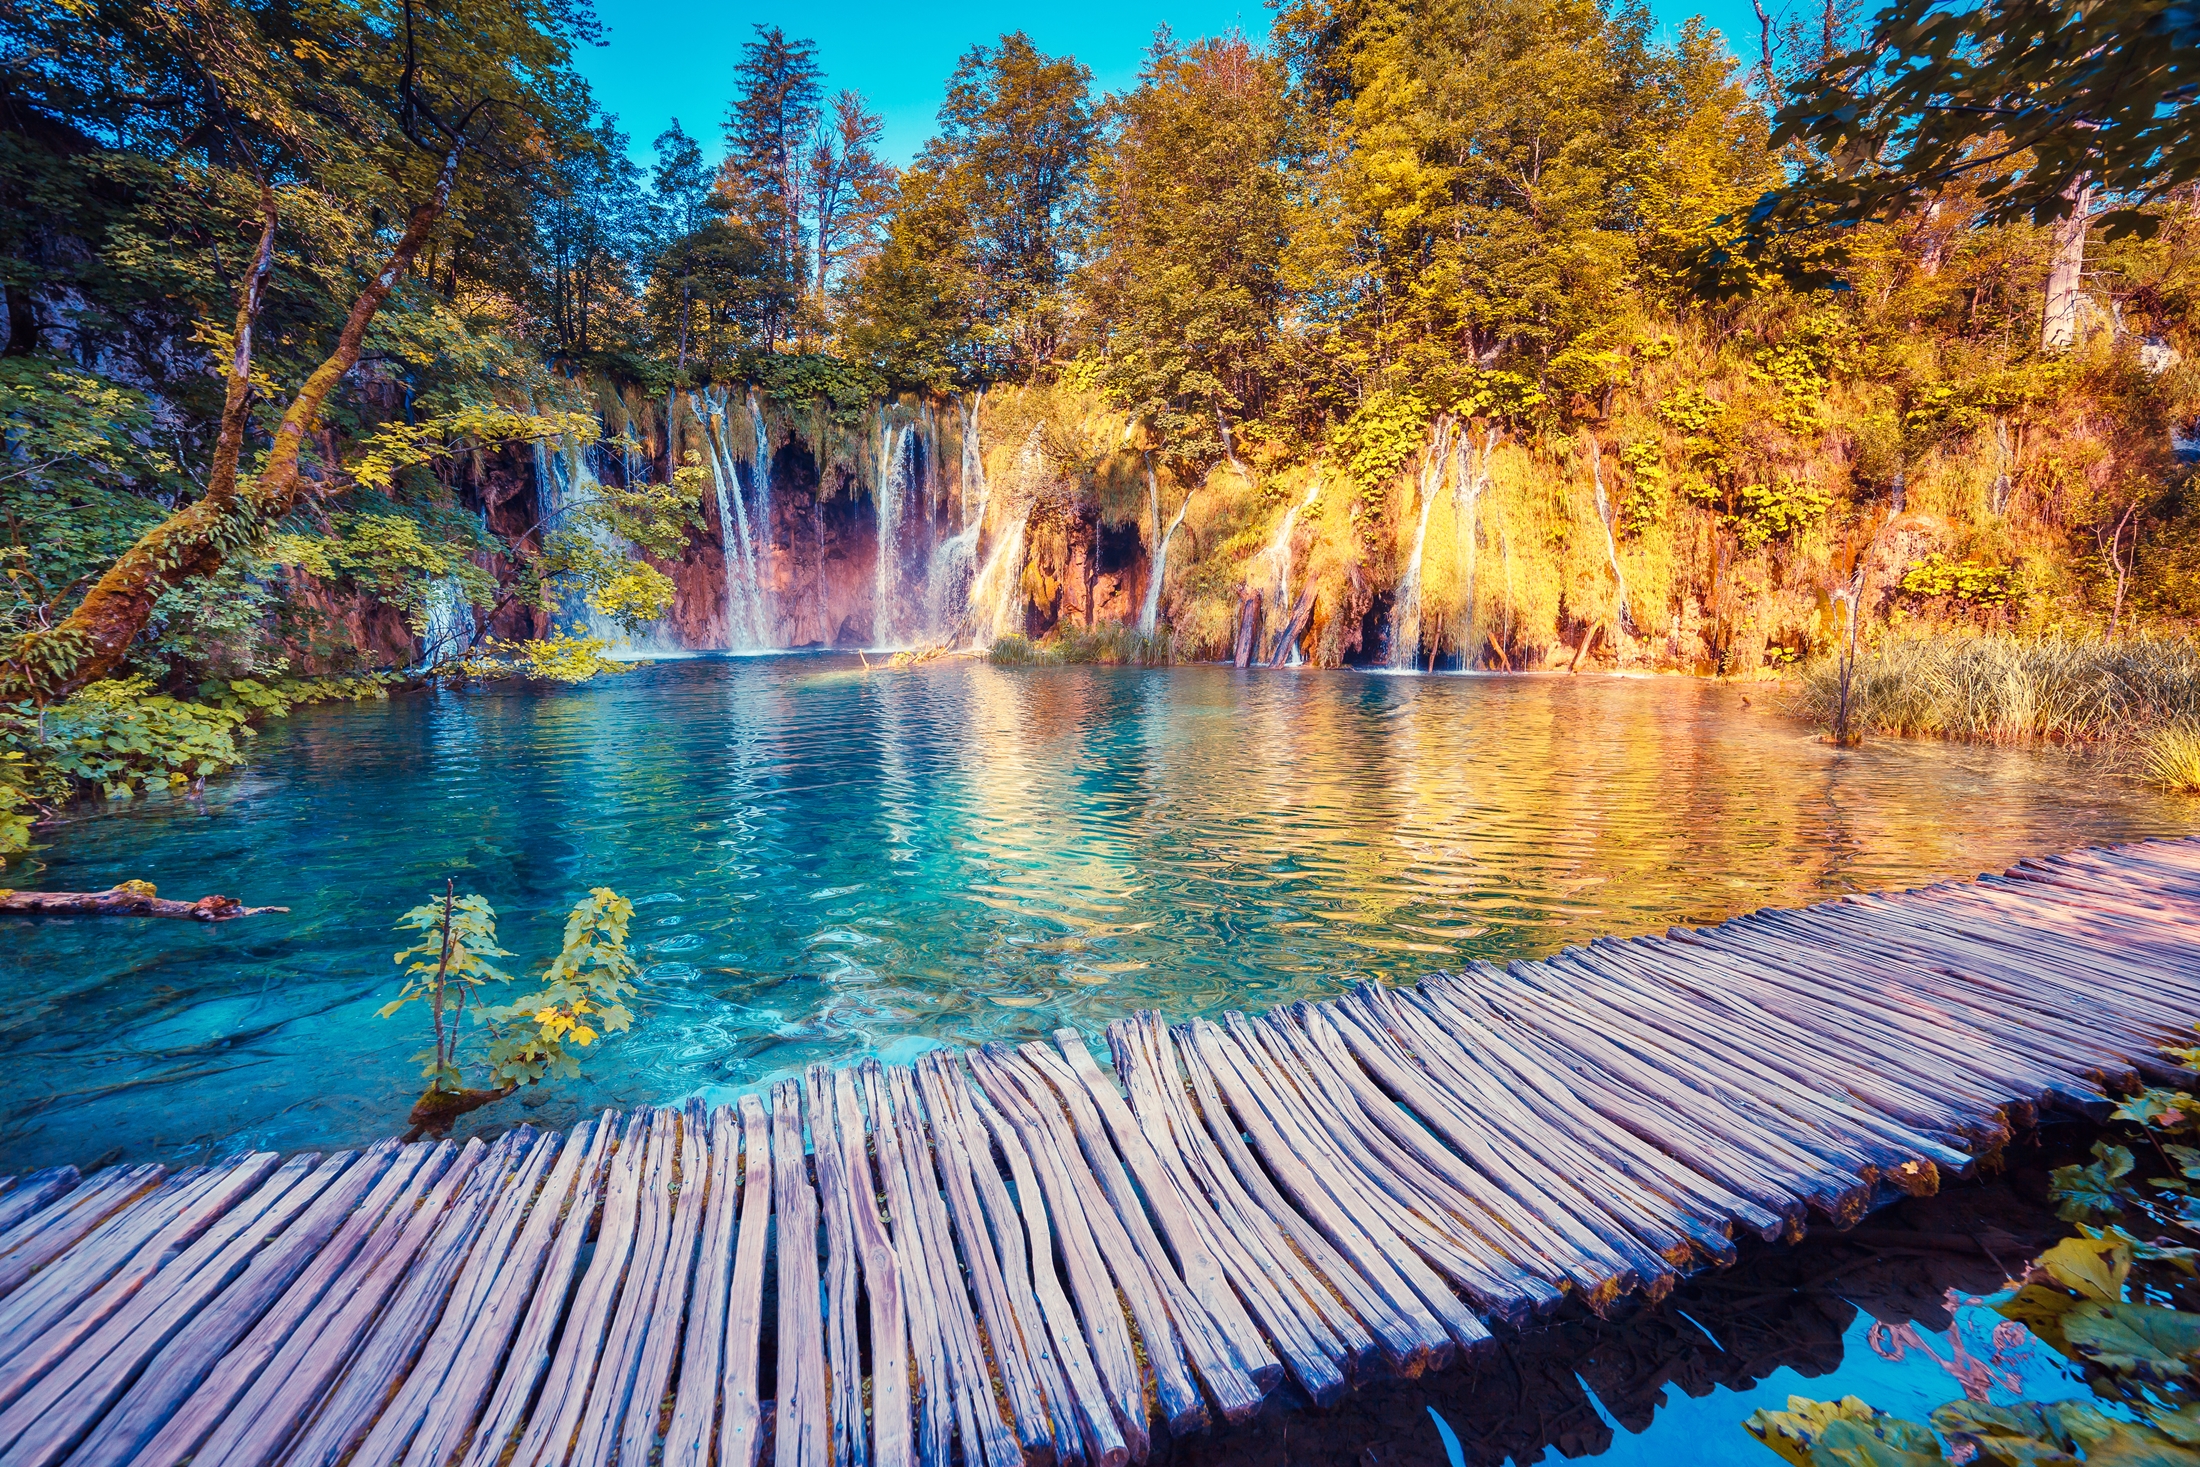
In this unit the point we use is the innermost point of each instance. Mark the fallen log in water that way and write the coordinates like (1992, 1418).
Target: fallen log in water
(130, 899)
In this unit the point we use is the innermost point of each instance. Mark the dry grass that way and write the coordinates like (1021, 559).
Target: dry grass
(2138, 699)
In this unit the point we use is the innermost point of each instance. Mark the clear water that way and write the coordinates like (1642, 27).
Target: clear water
(829, 862)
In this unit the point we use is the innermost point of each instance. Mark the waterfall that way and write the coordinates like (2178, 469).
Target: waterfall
(566, 483)
(760, 475)
(891, 496)
(1611, 545)
(997, 592)
(1149, 614)
(450, 630)
(947, 583)
(747, 610)
(1279, 561)
(1466, 490)
(1405, 613)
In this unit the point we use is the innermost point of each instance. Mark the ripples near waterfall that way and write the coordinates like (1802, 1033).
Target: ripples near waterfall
(828, 862)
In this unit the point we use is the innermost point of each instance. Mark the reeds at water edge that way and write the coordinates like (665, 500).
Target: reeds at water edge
(2136, 700)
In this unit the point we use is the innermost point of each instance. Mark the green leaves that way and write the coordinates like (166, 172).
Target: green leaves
(2087, 1193)
(582, 997)
(2149, 1344)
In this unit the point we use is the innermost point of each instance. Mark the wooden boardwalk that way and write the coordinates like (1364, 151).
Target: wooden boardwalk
(1035, 1253)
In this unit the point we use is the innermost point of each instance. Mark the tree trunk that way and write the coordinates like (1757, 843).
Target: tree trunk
(131, 899)
(2066, 273)
(50, 664)
(1248, 619)
(1294, 628)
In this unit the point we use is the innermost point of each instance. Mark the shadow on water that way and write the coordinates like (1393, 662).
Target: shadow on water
(1888, 1312)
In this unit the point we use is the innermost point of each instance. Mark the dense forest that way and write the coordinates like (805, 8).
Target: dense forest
(1413, 334)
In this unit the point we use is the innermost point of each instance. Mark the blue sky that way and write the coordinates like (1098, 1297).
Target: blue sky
(667, 60)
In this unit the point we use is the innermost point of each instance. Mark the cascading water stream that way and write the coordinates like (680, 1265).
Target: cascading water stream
(947, 582)
(451, 628)
(891, 495)
(1466, 487)
(760, 473)
(997, 592)
(1611, 545)
(746, 621)
(1279, 563)
(1149, 613)
(1405, 614)
(566, 484)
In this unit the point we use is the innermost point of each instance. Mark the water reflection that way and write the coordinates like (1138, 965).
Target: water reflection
(1892, 1313)
(829, 862)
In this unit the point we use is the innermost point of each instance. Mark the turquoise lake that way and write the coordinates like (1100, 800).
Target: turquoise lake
(828, 862)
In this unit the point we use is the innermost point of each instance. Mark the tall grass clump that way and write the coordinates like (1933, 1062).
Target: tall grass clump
(2140, 696)
(1108, 645)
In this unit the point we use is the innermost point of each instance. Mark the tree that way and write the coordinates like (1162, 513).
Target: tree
(2030, 101)
(850, 188)
(363, 162)
(1014, 134)
(1189, 231)
(769, 126)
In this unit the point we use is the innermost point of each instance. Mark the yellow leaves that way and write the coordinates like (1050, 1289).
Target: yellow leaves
(2093, 1268)
(1843, 1433)
(639, 594)
(394, 447)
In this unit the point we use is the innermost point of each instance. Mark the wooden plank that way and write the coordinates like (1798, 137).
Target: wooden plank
(1021, 1369)
(1688, 1191)
(436, 1385)
(1497, 1233)
(540, 1282)
(1346, 1218)
(740, 1430)
(934, 1395)
(1056, 1207)
(401, 1325)
(52, 1230)
(1082, 1197)
(1026, 1227)
(668, 1315)
(1437, 1243)
(893, 1441)
(1327, 1320)
(977, 1410)
(1392, 1332)
(1181, 1214)
(229, 1187)
(1258, 1280)
(267, 1351)
(548, 1437)
(23, 1200)
(804, 1435)
(1231, 1385)
(53, 1415)
(690, 1436)
(280, 1404)
(618, 1363)
(843, 1321)
(186, 1360)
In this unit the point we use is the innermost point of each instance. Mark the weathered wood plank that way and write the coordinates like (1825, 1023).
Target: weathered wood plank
(619, 1361)
(668, 1314)
(187, 1359)
(934, 1395)
(53, 1229)
(555, 1421)
(281, 1402)
(540, 1282)
(843, 1323)
(29, 1358)
(693, 1429)
(24, 1199)
(53, 1415)
(893, 1442)
(804, 1436)
(271, 1347)
(436, 1387)
(740, 1431)
(401, 1326)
